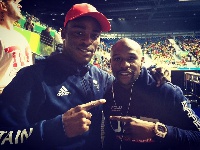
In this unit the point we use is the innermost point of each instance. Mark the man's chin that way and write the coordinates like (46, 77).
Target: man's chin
(124, 80)
(124, 83)
(84, 62)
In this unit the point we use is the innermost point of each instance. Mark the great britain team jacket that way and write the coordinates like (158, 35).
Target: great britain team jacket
(32, 105)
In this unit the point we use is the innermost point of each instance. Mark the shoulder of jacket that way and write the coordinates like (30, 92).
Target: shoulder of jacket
(34, 69)
(172, 85)
(99, 72)
(95, 69)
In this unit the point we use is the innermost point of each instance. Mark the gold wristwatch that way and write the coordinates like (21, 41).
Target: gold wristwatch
(160, 130)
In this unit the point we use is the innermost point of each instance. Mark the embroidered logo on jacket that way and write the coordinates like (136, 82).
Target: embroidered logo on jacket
(95, 83)
(190, 113)
(63, 91)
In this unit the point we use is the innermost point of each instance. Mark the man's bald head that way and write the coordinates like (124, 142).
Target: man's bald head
(129, 43)
(126, 61)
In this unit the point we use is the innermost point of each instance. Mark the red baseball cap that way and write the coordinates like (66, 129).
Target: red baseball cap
(85, 9)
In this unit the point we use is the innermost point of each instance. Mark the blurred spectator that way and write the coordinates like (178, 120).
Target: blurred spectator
(46, 46)
(29, 25)
(58, 38)
(58, 41)
(15, 52)
(45, 37)
(96, 62)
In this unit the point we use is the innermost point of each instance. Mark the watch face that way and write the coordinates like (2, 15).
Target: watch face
(160, 130)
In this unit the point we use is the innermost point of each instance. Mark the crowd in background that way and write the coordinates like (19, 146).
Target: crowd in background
(160, 50)
(192, 45)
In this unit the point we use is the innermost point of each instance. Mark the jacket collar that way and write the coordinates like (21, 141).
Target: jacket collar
(68, 65)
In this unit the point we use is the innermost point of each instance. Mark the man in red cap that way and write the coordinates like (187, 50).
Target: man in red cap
(51, 105)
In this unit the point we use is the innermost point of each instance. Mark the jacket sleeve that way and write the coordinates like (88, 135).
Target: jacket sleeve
(16, 127)
(184, 125)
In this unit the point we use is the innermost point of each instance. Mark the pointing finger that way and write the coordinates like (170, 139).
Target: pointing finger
(121, 118)
(91, 104)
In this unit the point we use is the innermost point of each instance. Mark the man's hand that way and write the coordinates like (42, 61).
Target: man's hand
(136, 129)
(76, 121)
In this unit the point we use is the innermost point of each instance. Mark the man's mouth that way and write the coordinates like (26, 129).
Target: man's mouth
(125, 73)
(86, 51)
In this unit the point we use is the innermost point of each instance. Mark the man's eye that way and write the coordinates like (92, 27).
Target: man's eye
(117, 59)
(131, 59)
(79, 33)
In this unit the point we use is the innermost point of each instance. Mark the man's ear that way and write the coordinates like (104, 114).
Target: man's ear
(142, 60)
(3, 6)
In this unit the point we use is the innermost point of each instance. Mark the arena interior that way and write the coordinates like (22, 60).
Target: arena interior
(167, 30)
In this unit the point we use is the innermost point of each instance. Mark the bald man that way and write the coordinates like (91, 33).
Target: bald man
(140, 115)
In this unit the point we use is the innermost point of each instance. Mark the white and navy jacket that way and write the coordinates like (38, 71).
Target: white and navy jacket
(33, 103)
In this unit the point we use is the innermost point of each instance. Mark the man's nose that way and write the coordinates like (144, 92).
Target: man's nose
(124, 64)
(20, 6)
(87, 39)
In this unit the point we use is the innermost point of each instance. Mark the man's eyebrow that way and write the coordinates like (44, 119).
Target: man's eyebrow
(78, 26)
(132, 54)
(116, 55)
(83, 27)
